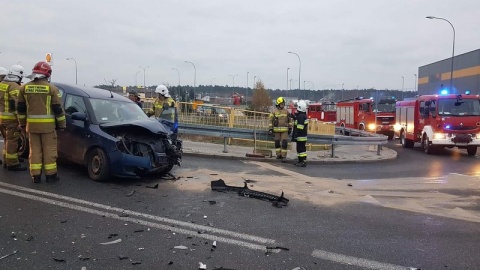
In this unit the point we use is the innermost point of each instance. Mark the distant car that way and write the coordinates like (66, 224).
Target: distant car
(212, 114)
(111, 135)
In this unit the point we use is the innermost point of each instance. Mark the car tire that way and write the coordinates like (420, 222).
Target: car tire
(97, 164)
(23, 145)
(472, 150)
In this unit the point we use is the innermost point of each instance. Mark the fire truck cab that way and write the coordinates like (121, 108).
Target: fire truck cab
(323, 111)
(359, 113)
(438, 121)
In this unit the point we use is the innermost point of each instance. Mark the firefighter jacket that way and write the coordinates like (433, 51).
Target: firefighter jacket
(279, 120)
(39, 107)
(158, 106)
(300, 127)
(8, 102)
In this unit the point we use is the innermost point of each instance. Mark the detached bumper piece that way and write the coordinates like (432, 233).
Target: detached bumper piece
(277, 201)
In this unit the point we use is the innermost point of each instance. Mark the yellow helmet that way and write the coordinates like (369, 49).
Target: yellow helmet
(280, 100)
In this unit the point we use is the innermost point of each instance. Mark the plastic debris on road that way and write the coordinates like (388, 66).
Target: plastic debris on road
(112, 242)
(202, 265)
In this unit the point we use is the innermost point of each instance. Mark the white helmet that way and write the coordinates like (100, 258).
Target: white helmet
(302, 106)
(162, 90)
(16, 70)
(3, 71)
(15, 74)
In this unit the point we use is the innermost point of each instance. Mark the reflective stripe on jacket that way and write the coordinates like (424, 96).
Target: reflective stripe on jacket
(8, 94)
(300, 128)
(284, 121)
(40, 98)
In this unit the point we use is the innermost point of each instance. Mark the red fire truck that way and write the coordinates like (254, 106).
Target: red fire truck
(361, 113)
(323, 111)
(438, 121)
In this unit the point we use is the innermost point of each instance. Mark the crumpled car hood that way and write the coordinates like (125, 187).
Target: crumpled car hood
(150, 124)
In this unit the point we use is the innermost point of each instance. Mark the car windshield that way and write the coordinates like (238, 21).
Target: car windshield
(459, 107)
(108, 111)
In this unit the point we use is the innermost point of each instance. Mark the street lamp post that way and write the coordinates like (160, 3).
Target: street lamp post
(246, 89)
(453, 47)
(299, 68)
(403, 85)
(136, 81)
(415, 85)
(342, 90)
(194, 74)
(287, 78)
(194, 78)
(144, 71)
(178, 75)
(233, 77)
(75, 68)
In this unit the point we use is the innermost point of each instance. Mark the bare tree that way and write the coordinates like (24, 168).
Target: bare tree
(261, 100)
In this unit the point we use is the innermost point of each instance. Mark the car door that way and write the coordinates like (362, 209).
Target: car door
(72, 142)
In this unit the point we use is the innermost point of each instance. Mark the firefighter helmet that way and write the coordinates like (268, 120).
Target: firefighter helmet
(302, 106)
(3, 71)
(42, 68)
(16, 70)
(162, 90)
(280, 100)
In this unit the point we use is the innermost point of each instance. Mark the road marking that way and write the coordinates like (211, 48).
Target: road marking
(350, 260)
(138, 214)
(134, 220)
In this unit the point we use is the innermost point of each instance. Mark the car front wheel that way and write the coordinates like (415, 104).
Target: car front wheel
(97, 165)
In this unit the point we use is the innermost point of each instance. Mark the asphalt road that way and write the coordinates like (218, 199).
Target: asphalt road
(78, 223)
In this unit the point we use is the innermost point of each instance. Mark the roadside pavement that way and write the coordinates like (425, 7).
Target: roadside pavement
(343, 153)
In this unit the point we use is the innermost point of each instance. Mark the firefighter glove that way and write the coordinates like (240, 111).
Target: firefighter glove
(270, 132)
(166, 106)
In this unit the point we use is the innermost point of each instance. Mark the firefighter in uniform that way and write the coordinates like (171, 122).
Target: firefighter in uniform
(9, 90)
(3, 73)
(280, 125)
(299, 135)
(41, 113)
(163, 101)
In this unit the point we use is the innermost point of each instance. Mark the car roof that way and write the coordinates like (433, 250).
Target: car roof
(91, 92)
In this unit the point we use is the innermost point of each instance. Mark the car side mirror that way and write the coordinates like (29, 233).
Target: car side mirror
(81, 116)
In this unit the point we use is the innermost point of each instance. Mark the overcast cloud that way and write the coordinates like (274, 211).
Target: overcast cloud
(368, 43)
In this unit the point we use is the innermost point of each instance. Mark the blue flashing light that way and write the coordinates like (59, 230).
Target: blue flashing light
(467, 92)
(447, 126)
(444, 92)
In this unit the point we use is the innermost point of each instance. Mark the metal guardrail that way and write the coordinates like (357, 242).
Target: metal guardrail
(360, 138)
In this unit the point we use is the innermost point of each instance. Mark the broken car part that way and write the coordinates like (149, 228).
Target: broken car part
(279, 201)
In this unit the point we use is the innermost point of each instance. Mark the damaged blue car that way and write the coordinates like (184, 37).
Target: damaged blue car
(111, 136)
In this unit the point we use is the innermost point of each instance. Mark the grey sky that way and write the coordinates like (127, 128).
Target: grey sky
(369, 43)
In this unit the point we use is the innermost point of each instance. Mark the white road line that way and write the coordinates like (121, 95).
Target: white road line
(134, 220)
(197, 227)
(349, 260)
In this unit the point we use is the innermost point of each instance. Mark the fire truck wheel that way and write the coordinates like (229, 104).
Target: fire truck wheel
(472, 150)
(406, 143)
(426, 145)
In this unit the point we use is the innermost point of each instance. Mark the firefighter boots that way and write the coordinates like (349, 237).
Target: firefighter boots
(301, 164)
(17, 168)
(52, 178)
(37, 178)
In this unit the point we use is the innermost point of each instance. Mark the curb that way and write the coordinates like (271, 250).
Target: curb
(273, 160)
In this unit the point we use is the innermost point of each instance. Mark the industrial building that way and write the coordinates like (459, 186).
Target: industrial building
(434, 77)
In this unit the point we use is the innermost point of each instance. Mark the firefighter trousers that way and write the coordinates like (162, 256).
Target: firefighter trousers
(43, 153)
(281, 144)
(10, 145)
(302, 151)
